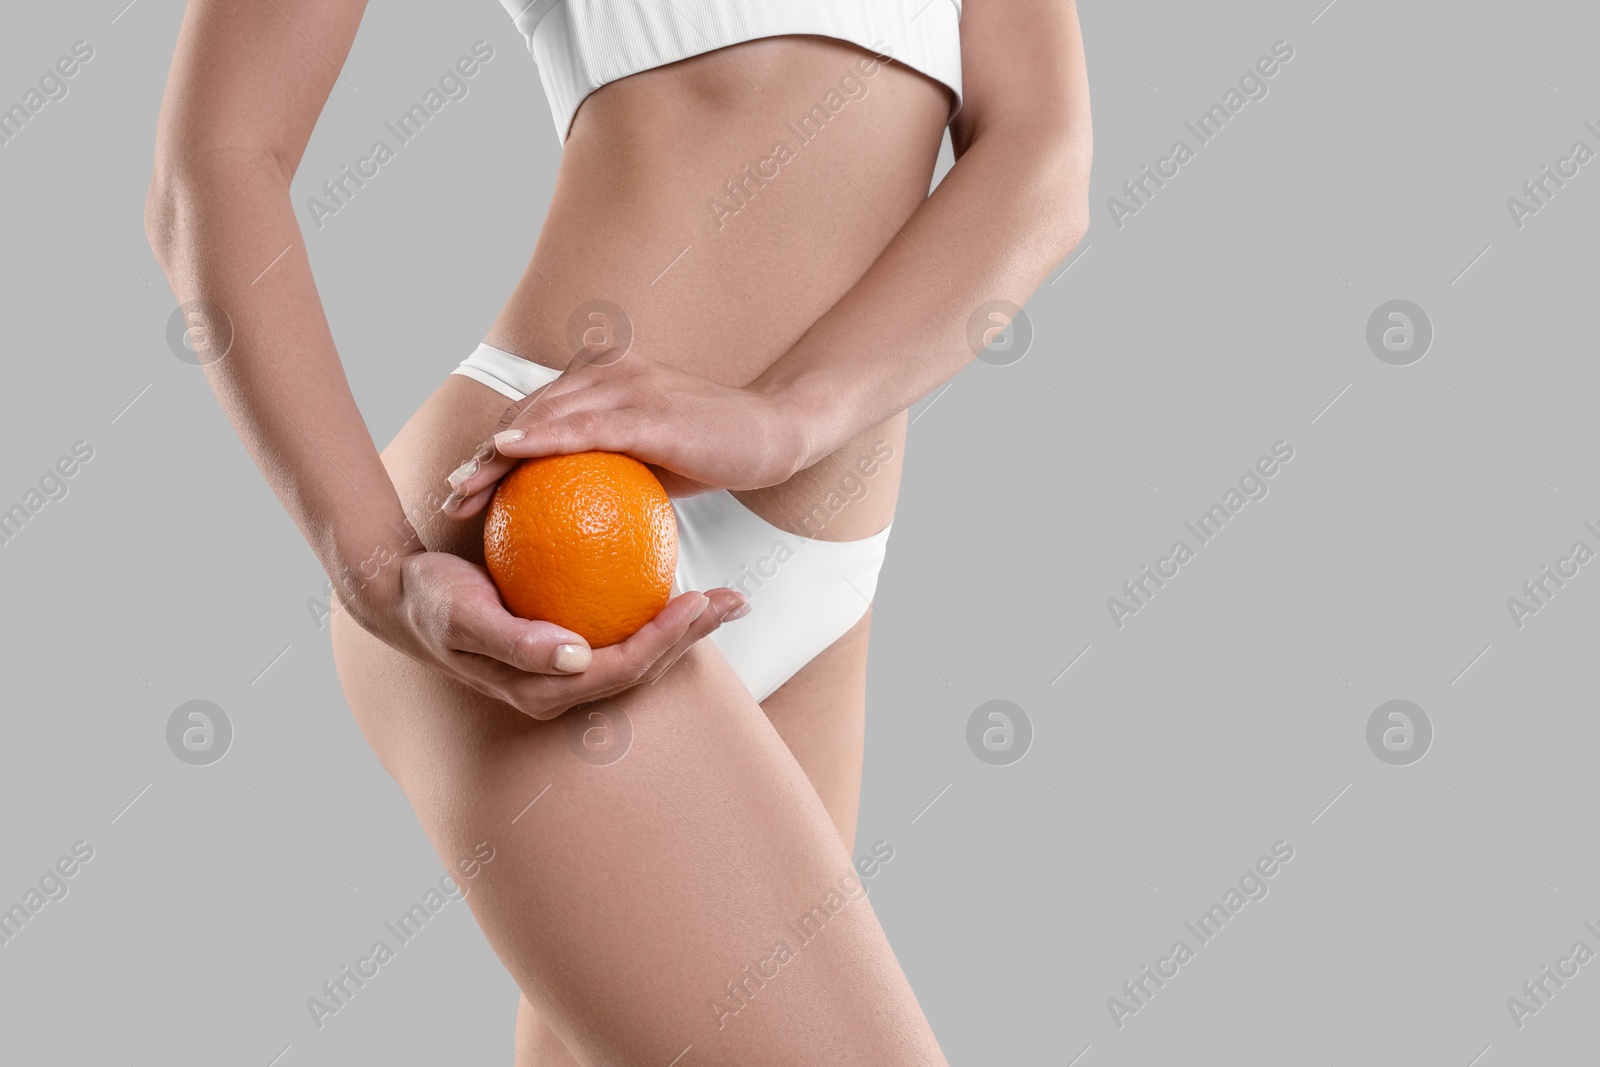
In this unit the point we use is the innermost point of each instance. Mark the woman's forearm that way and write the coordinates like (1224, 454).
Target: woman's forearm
(226, 234)
(1010, 209)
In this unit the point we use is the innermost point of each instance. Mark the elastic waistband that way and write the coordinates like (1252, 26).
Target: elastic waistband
(511, 376)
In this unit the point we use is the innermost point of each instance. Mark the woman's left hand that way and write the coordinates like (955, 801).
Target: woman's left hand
(699, 435)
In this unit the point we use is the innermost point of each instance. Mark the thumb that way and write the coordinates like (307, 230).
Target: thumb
(481, 624)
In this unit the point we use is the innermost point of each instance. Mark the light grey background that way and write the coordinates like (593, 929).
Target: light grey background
(1228, 715)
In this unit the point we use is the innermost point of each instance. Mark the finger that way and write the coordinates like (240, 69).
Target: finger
(583, 430)
(459, 506)
(573, 391)
(726, 606)
(491, 463)
(482, 470)
(572, 378)
(548, 696)
(487, 629)
(735, 605)
(616, 667)
(677, 485)
(487, 465)
(621, 666)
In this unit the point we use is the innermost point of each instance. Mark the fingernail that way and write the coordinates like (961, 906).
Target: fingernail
(507, 437)
(737, 613)
(453, 501)
(705, 602)
(463, 472)
(572, 658)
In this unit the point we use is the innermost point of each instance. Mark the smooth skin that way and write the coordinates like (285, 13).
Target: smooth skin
(783, 348)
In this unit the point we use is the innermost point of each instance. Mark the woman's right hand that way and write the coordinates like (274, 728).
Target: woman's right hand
(445, 612)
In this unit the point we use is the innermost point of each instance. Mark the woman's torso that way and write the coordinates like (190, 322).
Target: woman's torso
(715, 208)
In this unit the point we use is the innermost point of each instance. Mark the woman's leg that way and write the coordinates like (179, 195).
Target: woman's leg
(820, 714)
(692, 895)
(692, 899)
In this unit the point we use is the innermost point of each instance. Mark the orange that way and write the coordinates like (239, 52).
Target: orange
(586, 541)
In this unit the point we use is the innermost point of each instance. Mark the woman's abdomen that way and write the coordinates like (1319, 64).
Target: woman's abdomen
(710, 211)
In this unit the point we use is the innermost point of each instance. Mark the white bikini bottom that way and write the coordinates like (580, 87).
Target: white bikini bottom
(804, 593)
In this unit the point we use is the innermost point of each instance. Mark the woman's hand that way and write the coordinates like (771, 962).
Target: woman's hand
(445, 612)
(699, 435)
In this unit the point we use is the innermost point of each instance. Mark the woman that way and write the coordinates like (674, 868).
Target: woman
(693, 902)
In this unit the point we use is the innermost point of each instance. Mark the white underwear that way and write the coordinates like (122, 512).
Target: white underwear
(804, 593)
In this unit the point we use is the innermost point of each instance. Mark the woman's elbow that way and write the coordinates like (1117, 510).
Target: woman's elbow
(1057, 187)
(1069, 222)
(188, 188)
(159, 212)
(1066, 153)
(1043, 155)
(177, 193)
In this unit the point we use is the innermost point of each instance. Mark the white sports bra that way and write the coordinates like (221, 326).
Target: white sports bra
(581, 45)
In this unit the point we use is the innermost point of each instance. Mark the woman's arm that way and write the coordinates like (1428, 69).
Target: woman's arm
(247, 84)
(244, 93)
(1014, 205)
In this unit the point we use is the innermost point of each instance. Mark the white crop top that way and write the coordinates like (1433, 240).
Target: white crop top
(581, 45)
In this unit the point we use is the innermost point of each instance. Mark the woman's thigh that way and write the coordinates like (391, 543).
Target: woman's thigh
(820, 715)
(693, 892)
